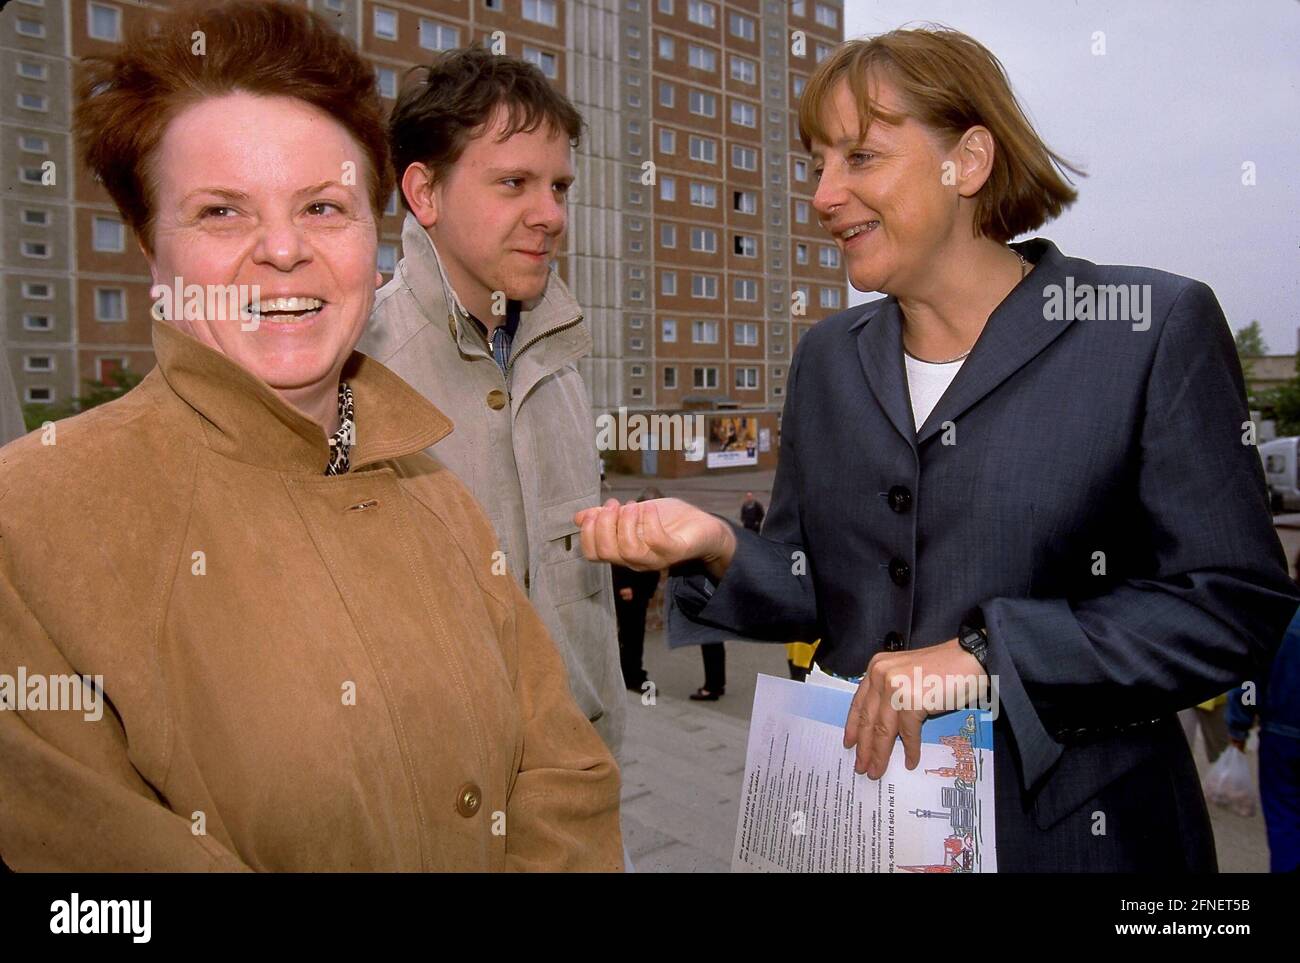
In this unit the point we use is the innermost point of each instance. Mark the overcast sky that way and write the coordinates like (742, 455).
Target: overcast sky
(1186, 92)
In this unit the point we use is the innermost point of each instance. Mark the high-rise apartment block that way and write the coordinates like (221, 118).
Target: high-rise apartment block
(693, 246)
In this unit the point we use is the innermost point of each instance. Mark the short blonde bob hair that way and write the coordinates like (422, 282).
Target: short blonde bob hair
(950, 83)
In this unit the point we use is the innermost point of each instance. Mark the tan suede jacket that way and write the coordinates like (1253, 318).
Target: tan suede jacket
(301, 672)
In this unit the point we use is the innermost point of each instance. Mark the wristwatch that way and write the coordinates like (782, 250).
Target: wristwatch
(975, 640)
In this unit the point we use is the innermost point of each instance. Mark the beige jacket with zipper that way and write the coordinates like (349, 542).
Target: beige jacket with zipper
(523, 443)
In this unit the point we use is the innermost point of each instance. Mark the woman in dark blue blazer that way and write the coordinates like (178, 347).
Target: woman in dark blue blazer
(1018, 464)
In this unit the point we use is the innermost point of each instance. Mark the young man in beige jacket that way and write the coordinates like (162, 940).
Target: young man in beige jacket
(476, 320)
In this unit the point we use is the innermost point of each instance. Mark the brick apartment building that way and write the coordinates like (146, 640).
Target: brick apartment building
(691, 238)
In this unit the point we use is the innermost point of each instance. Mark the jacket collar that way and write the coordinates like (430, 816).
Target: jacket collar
(551, 323)
(244, 419)
(1015, 332)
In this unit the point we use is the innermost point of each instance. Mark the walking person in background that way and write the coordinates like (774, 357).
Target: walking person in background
(1277, 707)
(633, 591)
(714, 654)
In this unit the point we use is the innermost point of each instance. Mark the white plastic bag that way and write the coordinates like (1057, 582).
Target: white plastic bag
(1228, 783)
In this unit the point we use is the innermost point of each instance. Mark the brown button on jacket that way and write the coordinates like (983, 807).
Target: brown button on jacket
(290, 683)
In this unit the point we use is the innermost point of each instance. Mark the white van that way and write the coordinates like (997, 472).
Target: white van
(1282, 473)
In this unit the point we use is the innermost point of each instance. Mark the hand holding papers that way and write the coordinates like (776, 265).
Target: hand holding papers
(804, 809)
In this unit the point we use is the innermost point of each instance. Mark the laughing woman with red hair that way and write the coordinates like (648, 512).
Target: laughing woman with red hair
(301, 654)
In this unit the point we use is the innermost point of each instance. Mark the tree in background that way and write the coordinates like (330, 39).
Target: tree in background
(119, 382)
(1250, 342)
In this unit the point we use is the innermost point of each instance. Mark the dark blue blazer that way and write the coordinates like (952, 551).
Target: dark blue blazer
(1084, 485)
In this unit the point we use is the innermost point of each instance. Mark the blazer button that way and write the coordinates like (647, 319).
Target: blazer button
(893, 642)
(469, 799)
(496, 399)
(899, 571)
(900, 499)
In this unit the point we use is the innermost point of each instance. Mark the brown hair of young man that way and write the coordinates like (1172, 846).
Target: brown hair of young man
(456, 97)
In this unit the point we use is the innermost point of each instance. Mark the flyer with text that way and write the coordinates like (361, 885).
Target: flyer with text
(804, 810)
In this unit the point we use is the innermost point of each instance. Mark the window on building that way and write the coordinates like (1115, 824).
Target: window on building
(540, 11)
(34, 218)
(744, 202)
(742, 26)
(702, 58)
(32, 144)
(387, 82)
(705, 377)
(801, 254)
(703, 149)
(668, 283)
(743, 114)
(29, 28)
(704, 286)
(744, 70)
(745, 245)
(745, 333)
(29, 175)
(801, 212)
(37, 102)
(827, 16)
(110, 304)
(744, 289)
(704, 332)
(38, 322)
(667, 49)
(37, 291)
(633, 53)
(828, 257)
(436, 36)
(799, 83)
(546, 61)
(499, 5)
(704, 14)
(38, 395)
(801, 170)
(666, 6)
(38, 362)
(109, 234)
(704, 195)
(385, 24)
(830, 297)
(391, 206)
(798, 8)
(746, 378)
(667, 188)
(40, 249)
(823, 51)
(703, 104)
(638, 392)
(31, 70)
(386, 259)
(667, 235)
(667, 141)
(636, 294)
(670, 377)
(104, 22)
(633, 100)
(668, 329)
(667, 94)
(744, 158)
(636, 344)
(704, 240)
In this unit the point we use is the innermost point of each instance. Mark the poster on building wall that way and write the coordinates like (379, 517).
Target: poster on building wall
(733, 442)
